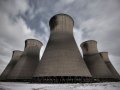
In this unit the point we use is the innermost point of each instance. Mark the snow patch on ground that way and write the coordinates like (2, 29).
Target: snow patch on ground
(86, 86)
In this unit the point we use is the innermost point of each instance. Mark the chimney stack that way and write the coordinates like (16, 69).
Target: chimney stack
(89, 47)
(15, 58)
(104, 56)
(28, 62)
(96, 65)
(61, 56)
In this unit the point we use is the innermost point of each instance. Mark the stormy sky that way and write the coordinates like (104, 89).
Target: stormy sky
(94, 19)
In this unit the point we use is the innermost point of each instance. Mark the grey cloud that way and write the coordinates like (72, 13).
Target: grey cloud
(13, 29)
(2, 65)
(13, 7)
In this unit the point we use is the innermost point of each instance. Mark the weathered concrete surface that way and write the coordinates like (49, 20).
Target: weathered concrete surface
(96, 65)
(105, 57)
(61, 56)
(28, 62)
(89, 47)
(15, 58)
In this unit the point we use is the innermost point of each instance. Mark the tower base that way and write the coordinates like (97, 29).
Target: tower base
(63, 79)
(71, 79)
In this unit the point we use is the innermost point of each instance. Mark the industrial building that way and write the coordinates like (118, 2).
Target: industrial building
(61, 58)
(15, 58)
(95, 63)
(107, 61)
(24, 69)
(62, 61)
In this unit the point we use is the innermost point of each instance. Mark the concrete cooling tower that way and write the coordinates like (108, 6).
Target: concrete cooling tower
(15, 58)
(96, 65)
(61, 59)
(105, 57)
(26, 66)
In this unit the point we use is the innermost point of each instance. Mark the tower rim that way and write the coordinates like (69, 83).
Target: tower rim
(33, 40)
(60, 14)
(104, 52)
(17, 51)
(88, 41)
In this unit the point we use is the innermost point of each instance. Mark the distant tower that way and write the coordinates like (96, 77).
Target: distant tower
(15, 58)
(61, 57)
(96, 65)
(105, 57)
(26, 66)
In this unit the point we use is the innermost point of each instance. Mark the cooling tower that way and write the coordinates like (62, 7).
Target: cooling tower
(96, 65)
(61, 56)
(15, 58)
(105, 57)
(26, 66)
